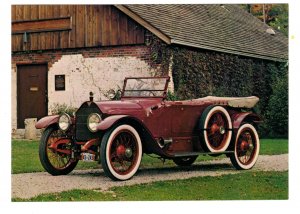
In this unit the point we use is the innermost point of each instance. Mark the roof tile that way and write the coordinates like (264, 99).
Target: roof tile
(226, 28)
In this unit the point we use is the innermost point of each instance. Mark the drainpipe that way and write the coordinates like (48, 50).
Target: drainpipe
(171, 83)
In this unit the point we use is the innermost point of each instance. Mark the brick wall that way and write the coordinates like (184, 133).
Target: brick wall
(85, 70)
(35, 57)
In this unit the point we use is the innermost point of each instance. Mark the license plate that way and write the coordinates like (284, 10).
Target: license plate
(87, 157)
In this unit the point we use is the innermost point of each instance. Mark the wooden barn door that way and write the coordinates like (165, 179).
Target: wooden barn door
(32, 92)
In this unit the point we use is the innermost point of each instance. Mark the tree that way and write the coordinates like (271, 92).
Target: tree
(275, 15)
(279, 21)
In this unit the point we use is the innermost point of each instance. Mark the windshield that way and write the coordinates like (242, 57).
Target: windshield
(145, 87)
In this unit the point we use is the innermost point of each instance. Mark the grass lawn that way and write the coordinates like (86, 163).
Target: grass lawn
(25, 156)
(273, 146)
(243, 186)
(246, 185)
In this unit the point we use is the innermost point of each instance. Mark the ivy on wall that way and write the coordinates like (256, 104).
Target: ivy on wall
(199, 73)
(159, 53)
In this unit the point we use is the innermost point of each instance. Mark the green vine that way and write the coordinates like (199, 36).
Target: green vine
(159, 53)
(199, 73)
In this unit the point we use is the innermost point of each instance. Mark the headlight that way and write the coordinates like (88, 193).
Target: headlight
(93, 121)
(64, 122)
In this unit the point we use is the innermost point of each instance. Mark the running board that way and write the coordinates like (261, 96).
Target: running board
(185, 154)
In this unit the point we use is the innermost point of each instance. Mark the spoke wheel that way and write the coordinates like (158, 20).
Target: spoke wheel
(216, 129)
(55, 162)
(121, 152)
(246, 147)
(185, 161)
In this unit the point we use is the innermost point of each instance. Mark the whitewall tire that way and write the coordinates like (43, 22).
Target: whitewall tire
(246, 147)
(216, 129)
(121, 152)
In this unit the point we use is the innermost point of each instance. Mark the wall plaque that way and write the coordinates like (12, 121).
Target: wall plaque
(60, 84)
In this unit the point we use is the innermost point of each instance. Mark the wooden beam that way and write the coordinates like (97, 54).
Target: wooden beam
(144, 23)
(42, 25)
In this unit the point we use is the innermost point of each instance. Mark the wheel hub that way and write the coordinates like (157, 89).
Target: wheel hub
(222, 130)
(122, 151)
(245, 146)
(215, 128)
(128, 152)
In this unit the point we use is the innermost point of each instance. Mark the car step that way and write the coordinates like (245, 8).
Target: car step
(185, 154)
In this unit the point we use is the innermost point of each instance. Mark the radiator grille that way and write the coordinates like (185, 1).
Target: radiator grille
(82, 131)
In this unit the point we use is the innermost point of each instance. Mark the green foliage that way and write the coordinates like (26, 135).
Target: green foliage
(280, 15)
(276, 15)
(57, 108)
(160, 54)
(202, 73)
(172, 96)
(277, 112)
(251, 185)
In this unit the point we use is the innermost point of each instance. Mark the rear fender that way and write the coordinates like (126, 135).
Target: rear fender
(47, 121)
(240, 118)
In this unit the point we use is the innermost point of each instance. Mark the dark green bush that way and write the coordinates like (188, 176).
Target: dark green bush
(277, 111)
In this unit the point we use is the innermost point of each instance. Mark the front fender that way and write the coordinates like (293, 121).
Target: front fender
(149, 143)
(109, 121)
(47, 121)
(239, 118)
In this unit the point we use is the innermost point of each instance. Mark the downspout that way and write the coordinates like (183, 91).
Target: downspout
(170, 73)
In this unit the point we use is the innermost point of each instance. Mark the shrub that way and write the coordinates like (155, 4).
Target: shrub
(113, 94)
(277, 111)
(57, 108)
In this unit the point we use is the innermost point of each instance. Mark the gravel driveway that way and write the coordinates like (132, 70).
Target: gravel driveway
(28, 185)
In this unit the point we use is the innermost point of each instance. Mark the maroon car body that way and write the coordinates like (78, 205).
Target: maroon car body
(117, 132)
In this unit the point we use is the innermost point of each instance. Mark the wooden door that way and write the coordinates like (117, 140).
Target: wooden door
(32, 92)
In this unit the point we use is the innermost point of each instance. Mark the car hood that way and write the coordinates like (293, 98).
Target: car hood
(126, 106)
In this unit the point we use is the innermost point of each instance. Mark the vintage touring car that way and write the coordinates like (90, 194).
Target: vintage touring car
(117, 132)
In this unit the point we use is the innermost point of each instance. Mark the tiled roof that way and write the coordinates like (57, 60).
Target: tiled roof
(226, 28)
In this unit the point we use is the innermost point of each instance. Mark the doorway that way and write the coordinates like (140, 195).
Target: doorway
(32, 95)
